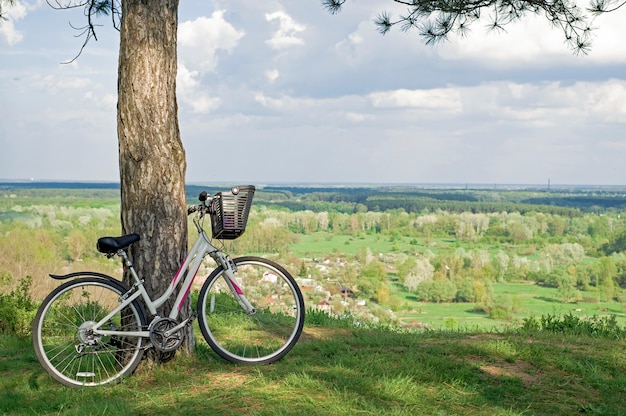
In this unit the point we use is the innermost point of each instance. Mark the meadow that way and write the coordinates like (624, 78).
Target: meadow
(323, 243)
(532, 298)
(535, 301)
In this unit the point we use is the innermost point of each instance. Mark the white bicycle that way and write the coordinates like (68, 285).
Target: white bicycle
(94, 329)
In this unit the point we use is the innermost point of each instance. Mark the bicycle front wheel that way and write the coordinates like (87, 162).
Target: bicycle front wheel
(263, 336)
(64, 340)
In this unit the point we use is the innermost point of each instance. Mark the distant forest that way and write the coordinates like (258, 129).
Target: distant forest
(565, 201)
(569, 202)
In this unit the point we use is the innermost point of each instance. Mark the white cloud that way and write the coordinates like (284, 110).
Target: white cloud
(286, 35)
(348, 44)
(191, 93)
(106, 102)
(543, 107)
(447, 99)
(204, 104)
(186, 79)
(580, 102)
(7, 27)
(272, 74)
(604, 101)
(200, 42)
(533, 40)
(269, 102)
(496, 109)
(608, 44)
(54, 85)
(307, 107)
(201, 39)
(357, 117)
(530, 40)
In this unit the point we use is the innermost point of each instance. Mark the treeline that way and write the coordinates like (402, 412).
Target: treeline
(420, 204)
(349, 200)
(586, 203)
(417, 205)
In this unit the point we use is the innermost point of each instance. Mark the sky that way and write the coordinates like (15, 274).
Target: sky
(281, 91)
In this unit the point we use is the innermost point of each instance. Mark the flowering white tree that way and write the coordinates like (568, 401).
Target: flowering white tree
(422, 271)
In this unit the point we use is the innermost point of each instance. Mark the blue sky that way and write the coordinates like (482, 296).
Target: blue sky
(282, 91)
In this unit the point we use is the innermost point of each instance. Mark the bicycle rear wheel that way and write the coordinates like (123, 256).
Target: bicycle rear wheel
(65, 344)
(259, 338)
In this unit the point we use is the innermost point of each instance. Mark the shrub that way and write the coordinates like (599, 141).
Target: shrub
(317, 317)
(604, 327)
(500, 306)
(498, 312)
(17, 309)
(451, 323)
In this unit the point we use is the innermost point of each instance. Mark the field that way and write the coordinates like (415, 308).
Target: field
(320, 244)
(535, 301)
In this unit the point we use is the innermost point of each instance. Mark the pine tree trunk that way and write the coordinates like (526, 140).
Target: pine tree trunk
(152, 158)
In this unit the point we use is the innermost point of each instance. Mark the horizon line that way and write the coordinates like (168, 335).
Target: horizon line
(491, 185)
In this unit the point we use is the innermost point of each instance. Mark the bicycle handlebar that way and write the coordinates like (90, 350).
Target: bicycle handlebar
(202, 207)
(203, 198)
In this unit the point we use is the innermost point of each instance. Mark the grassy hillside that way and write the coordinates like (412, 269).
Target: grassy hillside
(337, 369)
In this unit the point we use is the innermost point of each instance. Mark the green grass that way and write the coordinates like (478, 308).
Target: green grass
(324, 243)
(535, 301)
(340, 370)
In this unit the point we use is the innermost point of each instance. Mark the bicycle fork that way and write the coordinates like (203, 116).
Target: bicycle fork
(229, 275)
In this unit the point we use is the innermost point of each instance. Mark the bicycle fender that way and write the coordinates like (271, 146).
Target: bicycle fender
(83, 274)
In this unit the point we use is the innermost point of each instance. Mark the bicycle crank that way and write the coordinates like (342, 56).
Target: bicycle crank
(161, 336)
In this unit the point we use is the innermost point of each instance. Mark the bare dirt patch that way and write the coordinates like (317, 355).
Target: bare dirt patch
(518, 369)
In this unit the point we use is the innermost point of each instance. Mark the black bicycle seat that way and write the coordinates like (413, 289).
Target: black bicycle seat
(109, 245)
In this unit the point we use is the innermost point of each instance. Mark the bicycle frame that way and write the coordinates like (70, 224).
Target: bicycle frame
(187, 272)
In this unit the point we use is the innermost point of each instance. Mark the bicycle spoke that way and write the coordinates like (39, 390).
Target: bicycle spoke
(264, 336)
(68, 347)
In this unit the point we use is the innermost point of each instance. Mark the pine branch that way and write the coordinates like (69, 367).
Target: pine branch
(435, 20)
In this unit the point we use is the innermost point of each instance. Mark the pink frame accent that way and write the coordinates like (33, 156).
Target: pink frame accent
(236, 286)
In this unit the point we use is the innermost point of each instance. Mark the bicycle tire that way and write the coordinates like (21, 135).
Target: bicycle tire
(260, 338)
(64, 345)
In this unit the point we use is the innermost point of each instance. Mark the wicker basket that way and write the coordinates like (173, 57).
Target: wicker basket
(229, 212)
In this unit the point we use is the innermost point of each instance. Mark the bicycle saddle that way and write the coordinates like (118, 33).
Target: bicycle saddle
(109, 245)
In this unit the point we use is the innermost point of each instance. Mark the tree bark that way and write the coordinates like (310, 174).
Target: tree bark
(151, 154)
